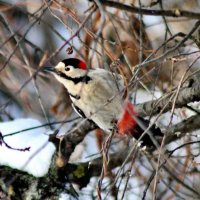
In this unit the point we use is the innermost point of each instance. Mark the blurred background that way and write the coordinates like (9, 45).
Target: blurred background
(35, 34)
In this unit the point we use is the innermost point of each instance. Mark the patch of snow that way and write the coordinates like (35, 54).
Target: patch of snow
(37, 160)
(143, 95)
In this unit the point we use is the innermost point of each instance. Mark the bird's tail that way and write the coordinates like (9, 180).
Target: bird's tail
(131, 124)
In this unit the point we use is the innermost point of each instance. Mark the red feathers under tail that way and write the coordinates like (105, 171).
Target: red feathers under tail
(131, 124)
(127, 121)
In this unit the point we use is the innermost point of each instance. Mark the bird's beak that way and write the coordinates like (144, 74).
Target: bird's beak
(49, 69)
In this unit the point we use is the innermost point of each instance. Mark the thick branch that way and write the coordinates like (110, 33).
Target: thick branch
(179, 130)
(164, 103)
(69, 141)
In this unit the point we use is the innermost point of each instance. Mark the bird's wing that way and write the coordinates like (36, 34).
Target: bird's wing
(110, 78)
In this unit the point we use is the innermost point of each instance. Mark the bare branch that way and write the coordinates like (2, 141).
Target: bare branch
(187, 94)
(168, 13)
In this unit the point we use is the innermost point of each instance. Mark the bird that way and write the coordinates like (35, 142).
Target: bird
(97, 94)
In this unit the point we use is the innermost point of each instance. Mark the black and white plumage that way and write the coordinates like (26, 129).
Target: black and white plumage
(96, 94)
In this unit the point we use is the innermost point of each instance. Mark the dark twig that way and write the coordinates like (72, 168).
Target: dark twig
(36, 127)
(167, 13)
(2, 141)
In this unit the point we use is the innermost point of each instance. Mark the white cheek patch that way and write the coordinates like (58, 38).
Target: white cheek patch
(60, 66)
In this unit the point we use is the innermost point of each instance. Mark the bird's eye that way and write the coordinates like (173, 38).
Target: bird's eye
(67, 68)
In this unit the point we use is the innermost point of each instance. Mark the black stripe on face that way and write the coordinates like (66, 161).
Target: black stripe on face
(76, 80)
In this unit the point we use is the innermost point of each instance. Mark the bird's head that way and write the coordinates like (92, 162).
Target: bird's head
(68, 68)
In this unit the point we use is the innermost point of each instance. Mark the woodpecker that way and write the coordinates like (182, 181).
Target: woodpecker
(97, 95)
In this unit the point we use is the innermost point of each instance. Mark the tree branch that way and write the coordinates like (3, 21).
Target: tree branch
(168, 13)
(179, 130)
(187, 94)
(68, 143)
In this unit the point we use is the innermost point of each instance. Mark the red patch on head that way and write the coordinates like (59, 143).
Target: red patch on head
(82, 65)
(127, 122)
